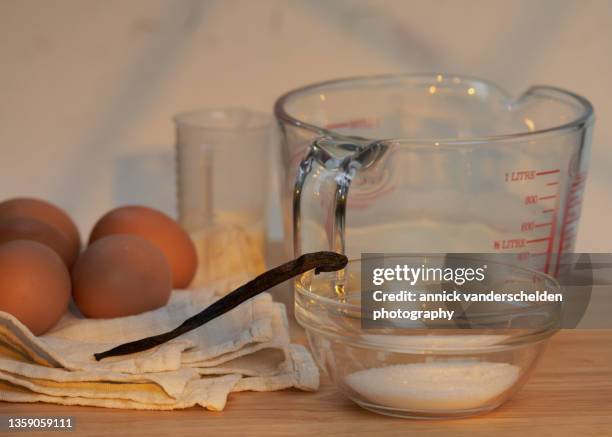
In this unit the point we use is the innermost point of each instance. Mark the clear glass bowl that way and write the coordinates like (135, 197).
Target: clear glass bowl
(433, 371)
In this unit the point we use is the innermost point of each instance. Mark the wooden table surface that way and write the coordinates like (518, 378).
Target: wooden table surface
(570, 394)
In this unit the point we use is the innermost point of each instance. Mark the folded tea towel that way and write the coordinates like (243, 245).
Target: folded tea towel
(117, 391)
(245, 349)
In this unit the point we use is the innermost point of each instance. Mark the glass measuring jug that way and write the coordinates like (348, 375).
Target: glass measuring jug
(434, 163)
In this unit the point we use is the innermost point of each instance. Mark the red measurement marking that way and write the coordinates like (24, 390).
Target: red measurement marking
(522, 175)
(547, 172)
(570, 220)
(554, 196)
(527, 226)
(537, 240)
(509, 244)
(563, 230)
(575, 201)
(546, 211)
(541, 225)
(575, 198)
(531, 199)
(550, 184)
(572, 215)
(551, 241)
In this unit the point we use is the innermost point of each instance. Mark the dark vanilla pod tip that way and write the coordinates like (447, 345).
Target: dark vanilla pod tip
(334, 262)
(319, 261)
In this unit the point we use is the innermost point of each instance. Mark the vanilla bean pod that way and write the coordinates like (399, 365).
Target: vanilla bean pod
(320, 261)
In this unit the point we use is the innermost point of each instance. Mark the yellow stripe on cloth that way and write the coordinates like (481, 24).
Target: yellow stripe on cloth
(146, 392)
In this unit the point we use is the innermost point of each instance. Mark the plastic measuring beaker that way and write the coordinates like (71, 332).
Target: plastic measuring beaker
(222, 164)
(434, 163)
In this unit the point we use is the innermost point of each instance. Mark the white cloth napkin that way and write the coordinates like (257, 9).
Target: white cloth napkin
(245, 349)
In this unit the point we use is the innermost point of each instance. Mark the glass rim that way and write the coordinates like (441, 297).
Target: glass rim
(264, 120)
(583, 120)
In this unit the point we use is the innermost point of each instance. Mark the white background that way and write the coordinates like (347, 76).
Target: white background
(88, 88)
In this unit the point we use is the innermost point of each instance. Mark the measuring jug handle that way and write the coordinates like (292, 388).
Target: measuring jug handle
(321, 190)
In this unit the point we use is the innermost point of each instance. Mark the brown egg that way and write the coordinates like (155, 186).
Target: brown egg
(34, 284)
(45, 212)
(35, 230)
(120, 275)
(157, 228)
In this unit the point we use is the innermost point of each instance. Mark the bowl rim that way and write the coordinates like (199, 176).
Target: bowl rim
(517, 342)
